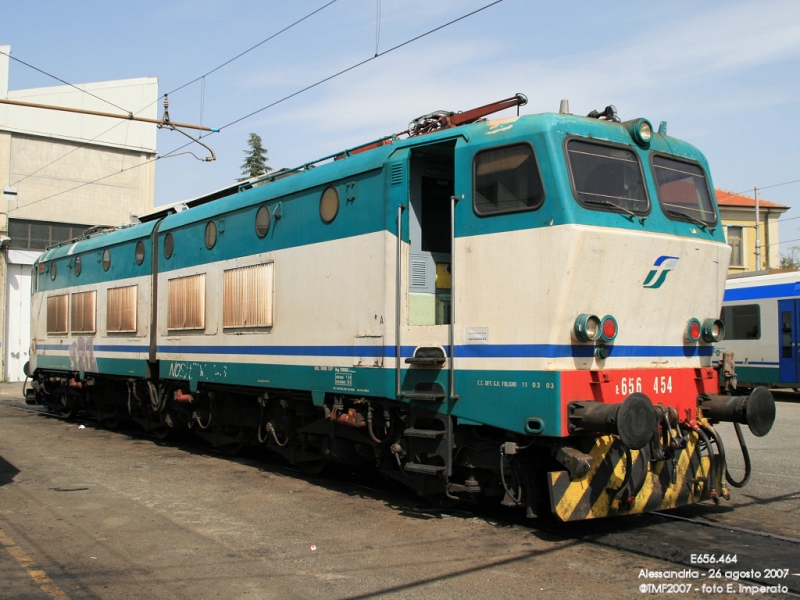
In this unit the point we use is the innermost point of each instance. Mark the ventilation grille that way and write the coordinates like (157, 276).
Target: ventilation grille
(187, 302)
(419, 273)
(397, 175)
(121, 306)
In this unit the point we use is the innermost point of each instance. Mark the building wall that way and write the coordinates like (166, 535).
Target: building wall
(744, 218)
(63, 167)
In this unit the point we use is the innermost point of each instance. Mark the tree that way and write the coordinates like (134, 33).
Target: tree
(255, 164)
(791, 262)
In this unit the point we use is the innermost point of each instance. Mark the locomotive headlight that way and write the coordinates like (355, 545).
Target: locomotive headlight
(587, 328)
(640, 130)
(713, 330)
(693, 330)
(608, 328)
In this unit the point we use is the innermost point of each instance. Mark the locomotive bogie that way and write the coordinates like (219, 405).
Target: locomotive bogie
(462, 311)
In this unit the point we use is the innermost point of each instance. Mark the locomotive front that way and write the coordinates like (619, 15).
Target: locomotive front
(601, 352)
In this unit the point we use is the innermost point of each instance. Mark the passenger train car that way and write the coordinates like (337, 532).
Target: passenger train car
(762, 315)
(520, 309)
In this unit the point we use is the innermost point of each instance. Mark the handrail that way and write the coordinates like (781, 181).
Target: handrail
(451, 329)
(398, 295)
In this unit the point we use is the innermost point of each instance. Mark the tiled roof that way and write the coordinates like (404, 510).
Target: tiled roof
(733, 200)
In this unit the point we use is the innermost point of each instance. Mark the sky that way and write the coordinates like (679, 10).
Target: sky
(724, 75)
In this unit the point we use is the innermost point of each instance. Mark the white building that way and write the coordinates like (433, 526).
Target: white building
(62, 172)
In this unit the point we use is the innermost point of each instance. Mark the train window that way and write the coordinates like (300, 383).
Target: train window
(683, 190)
(78, 266)
(53, 270)
(169, 245)
(263, 219)
(329, 204)
(139, 254)
(186, 302)
(607, 177)
(247, 296)
(211, 234)
(507, 180)
(742, 322)
(106, 259)
(122, 305)
(57, 307)
(82, 312)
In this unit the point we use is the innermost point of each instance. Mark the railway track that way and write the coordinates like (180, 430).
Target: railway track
(712, 558)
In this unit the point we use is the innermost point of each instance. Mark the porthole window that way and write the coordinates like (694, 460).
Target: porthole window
(263, 219)
(78, 266)
(53, 271)
(211, 234)
(169, 245)
(139, 252)
(329, 204)
(106, 259)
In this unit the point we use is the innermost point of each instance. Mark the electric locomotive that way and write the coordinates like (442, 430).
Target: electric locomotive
(517, 309)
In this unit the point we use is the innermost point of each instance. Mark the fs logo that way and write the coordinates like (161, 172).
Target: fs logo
(661, 268)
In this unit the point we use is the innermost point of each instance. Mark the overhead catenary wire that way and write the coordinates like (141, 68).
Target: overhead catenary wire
(174, 152)
(65, 82)
(201, 77)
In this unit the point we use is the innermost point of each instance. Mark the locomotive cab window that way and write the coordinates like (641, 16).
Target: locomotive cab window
(683, 191)
(507, 180)
(607, 177)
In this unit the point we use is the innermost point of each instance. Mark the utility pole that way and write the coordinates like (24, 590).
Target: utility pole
(758, 235)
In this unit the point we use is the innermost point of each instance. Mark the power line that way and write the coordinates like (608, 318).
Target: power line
(359, 64)
(264, 41)
(202, 77)
(65, 82)
(172, 152)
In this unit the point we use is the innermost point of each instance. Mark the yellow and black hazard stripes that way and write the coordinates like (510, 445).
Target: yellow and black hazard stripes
(608, 489)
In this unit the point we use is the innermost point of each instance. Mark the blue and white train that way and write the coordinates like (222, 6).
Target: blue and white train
(761, 312)
(520, 309)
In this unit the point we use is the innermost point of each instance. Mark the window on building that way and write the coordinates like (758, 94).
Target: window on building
(38, 235)
(735, 242)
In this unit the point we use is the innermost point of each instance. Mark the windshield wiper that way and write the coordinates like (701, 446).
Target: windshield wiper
(688, 217)
(620, 208)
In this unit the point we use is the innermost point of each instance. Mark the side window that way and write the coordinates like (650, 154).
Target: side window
(248, 296)
(683, 190)
(57, 308)
(82, 312)
(607, 177)
(186, 303)
(742, 322)
(121, 309)
(507, 180)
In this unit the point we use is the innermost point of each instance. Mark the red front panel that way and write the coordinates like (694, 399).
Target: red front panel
(678, 388)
